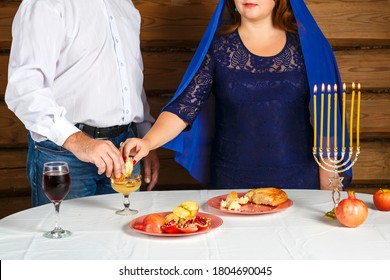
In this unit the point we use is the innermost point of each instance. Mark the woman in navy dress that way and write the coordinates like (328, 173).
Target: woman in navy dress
(263, 134)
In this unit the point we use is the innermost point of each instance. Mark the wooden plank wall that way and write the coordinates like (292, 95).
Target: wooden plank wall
(171, 29)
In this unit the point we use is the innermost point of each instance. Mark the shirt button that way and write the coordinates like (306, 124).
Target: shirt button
(125, 88)
(111, 18)
(122, 64)
(127, 111)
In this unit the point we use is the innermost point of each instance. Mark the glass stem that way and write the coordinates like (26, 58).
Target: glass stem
(126, 201)
(57, 210)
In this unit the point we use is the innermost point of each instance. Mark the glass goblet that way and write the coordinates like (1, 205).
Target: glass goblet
(56, 185)
(126, 187)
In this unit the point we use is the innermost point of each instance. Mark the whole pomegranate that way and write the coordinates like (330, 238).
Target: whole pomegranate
(351, 212)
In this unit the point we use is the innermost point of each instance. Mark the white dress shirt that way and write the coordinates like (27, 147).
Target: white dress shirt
(76, 61)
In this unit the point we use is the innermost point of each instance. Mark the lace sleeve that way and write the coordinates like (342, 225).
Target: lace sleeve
(189, 103)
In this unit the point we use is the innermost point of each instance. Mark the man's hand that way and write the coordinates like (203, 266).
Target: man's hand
(102, 153)
(151, 165)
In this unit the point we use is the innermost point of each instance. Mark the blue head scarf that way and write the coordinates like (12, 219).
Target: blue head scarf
(193, 147)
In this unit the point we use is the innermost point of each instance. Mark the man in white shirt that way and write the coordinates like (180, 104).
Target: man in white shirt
(75, 80)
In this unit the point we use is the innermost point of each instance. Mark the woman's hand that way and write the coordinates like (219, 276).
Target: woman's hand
(139, 149)
(166, 127)
(136, 148)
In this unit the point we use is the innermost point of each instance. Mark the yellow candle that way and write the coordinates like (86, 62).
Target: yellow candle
(322, 117)
(343, 121)
(351, 115)
(358, 120)
(328, 120)
(335, 118)
(315, 115)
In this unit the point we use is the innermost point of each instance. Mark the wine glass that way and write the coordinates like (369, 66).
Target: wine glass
(56, 185)
(126, 187)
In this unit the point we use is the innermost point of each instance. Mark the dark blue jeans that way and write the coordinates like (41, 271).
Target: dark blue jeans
(85, 181)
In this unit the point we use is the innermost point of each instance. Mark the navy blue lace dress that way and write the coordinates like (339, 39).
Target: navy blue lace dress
(263, 135)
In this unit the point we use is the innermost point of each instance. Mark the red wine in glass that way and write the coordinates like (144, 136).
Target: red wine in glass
(56, 185)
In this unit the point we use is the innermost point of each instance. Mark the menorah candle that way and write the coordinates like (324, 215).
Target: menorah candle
(343, 121)
(315, 116)
(322, 117)
(351, 115)
(335, 119)
(328, 119)
(358, 119)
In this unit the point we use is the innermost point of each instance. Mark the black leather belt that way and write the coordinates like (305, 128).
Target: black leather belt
(103, 132)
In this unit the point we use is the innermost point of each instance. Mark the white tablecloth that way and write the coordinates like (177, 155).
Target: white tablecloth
(299, 232)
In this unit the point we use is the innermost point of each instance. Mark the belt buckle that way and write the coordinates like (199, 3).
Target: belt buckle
(96, 135)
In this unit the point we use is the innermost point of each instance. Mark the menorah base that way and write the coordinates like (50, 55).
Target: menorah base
(335, 183)
(331, 214)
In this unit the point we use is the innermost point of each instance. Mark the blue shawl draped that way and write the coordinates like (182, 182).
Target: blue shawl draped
(192, 147)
